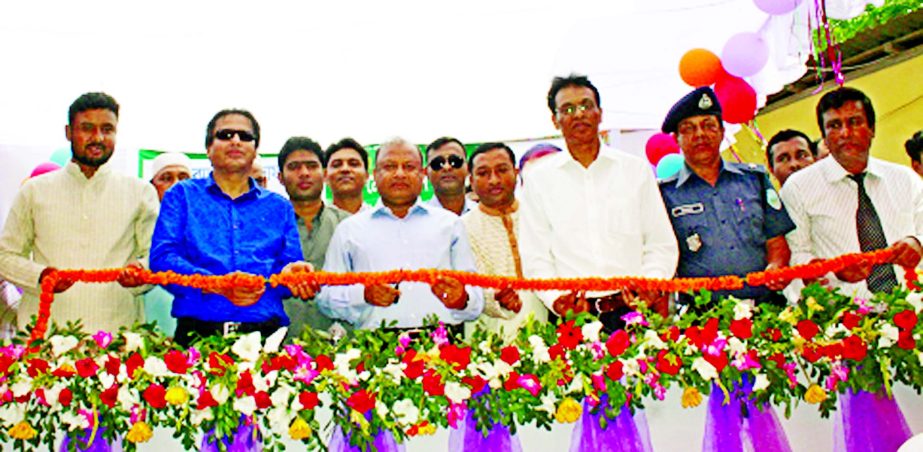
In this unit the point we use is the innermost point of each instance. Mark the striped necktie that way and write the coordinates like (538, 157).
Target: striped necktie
(871, 238)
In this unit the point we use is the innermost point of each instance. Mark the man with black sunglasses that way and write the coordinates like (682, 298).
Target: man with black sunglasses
(226, 223)
(447, 171)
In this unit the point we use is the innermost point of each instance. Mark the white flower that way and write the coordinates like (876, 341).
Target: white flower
(406, 412)
(12, 413)
(920, 357)
(591, 331)
(916, 300)
(652, 340)
(761, 383)
(126, 397)
(62, 344)
(107, 380)
(341, 364)
(271, 378)
(381, 409)
(133, 341)
(736, 346)
(743, 309)
(198, 416)
(248, 346)
(705, 369)
(219, 393)
(21, 388)
(51, 396)
(889, 335)
(456, 393)
(274, 341)
(245, 405)
(630, 367)
(74, 421)
(549, 403)
(281, 396)
(279, 420)
(156, 367)
(484, 347)
(832, 330)
(539, 349)
(394, 370)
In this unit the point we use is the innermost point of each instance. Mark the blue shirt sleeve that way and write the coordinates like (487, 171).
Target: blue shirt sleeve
(777, 220)
(167, 244)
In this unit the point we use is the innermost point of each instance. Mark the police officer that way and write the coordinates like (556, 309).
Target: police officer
(727, 217)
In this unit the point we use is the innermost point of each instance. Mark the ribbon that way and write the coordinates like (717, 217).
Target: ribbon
(245, 439)
(740, 425)
(625, 433)
(98, 444)
(469, 439)
(870, 422)
(384, 442)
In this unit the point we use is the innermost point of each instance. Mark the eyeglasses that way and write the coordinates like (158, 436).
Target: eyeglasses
(227, 134)
(570, 110)
(454, 161)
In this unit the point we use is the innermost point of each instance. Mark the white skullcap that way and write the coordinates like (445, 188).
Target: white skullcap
(169, 159)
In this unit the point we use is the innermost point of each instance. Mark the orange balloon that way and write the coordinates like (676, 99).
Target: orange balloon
(699, 67)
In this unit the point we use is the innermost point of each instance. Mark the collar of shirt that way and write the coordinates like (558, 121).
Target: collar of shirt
(498, 212)
(685, 173)
(562, 159)
(418, 208)
(469, 204)
(834, 172)
(255, 191)
(73, 169)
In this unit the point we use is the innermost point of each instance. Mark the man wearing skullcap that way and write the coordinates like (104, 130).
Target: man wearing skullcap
(727, 216)
(168, 169)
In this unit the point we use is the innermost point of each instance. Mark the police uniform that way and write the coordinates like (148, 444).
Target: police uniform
(722, 230)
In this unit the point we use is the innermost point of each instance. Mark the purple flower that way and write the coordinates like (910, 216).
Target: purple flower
(599, 382)
(296, 352)
(102, 338)
(440, 335)
(634, 318)
(14, 351)
(659, 391)
(530, 383)
(745, 361)
(193, 356)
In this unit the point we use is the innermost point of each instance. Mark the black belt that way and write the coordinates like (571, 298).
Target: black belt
(188, 327)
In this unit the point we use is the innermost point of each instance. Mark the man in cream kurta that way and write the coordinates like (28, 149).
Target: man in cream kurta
(82, 217)
(491, 227)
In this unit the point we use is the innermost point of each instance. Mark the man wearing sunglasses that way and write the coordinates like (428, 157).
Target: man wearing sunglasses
(226, 223)
(593, 211)
(447, 171)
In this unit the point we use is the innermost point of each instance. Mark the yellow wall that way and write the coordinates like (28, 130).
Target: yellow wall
(897, 95)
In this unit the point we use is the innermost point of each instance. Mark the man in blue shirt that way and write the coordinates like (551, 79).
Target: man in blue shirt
(400, 233)
(727, 217)
(227, 223)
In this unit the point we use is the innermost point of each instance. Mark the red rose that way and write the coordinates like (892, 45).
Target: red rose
(673, 333)
(694, 336)
(906, 341)
(62, 372)
(773, 334)
(807, 329)
(777, 358)
(133, 363)
(512, 382)
(113, 363)
(557, 351)
(277, 363)
(617, 343)
(205, 400)
(217, 362)
(65, 397)
(458, 357)
(850, 320)
(262, 400)
(832, 351)
(906, 319)
(413, 367)
(476, 383)
(670, 364)
(361, 401)
(154, 395)
(176, 362)
(742, 328)
(854, 348)
(245, 384)
(308, 400)
(432, 383)
(569, 336)
(5, 363)
(109, 396)
(811, 353)
(37, 367)
(509, 354)
(86, 367)
(614, 371)
(720, 360)
(323, 363)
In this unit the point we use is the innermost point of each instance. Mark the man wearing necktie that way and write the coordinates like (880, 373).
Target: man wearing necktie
(854, 202)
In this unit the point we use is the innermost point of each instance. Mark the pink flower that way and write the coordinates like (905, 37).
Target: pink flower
(102, 338)
(789, 369)
(599, 382)
(659, 391)
(599, 351)
(14, 351)
(747, 361)
(864, 307)
(457, 412)
(193, 356)
(530, 383)
(440, 335)
(633, 318)
(838, 373)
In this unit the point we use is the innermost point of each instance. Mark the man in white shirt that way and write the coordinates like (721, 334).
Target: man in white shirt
(82, 217)
(826, 202)
(593, 211)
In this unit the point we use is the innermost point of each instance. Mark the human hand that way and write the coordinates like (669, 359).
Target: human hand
(907, 252)
(657, 301)
(451, 292)
(855, 273)
(241, 295)
(382, 295)
(131, 275)
(509, 300)
(61, 285)
(776, 285)
(304, 290)
(570, 301)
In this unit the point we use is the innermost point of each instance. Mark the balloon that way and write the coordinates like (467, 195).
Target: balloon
(745, 54)
(699, 67)
(669, 165)
(737, 99)
(777, 7)
(43, 168)
(61, 156)
(660, 145)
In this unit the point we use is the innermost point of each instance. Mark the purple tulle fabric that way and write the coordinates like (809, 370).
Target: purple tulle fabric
(625, 433)
(469, 439)
(869, 422)
(384, 442)
(727, 429)
(99, 443)
(244, 441)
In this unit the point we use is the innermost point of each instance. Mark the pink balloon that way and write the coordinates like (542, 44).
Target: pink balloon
(737, 99)
(777, 7)
(744, 54)
(43, 168)
(659, 146)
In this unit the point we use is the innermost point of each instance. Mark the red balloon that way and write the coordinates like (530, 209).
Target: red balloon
(737, 98)
(659, 146)
(699, 67)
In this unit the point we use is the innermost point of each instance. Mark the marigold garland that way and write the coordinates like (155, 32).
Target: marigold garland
(207, 282)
